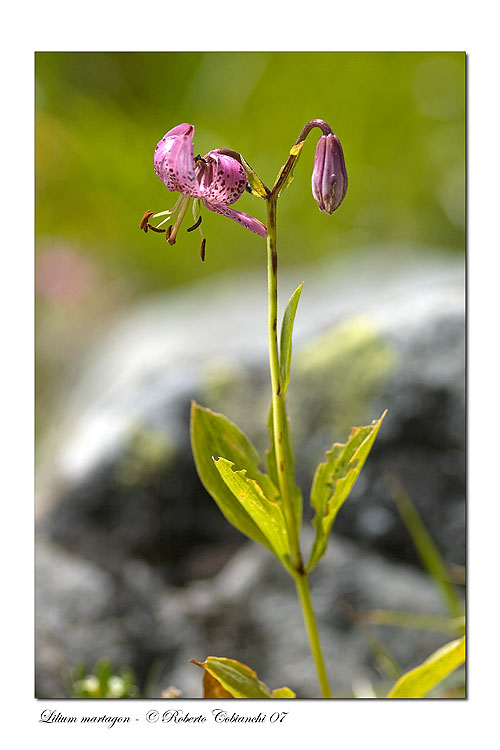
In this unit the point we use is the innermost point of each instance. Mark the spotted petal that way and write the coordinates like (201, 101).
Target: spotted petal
(254, 225)
(174, 161)
(223, 179)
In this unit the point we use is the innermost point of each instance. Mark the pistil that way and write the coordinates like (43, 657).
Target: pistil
(185, 200)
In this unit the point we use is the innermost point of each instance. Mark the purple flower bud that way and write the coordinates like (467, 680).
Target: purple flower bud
(329, 177)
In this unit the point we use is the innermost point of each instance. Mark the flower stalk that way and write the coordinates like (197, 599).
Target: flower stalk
(281, 437)
(278, 404)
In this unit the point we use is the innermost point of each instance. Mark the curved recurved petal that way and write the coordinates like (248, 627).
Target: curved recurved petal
(249, 222)
(225, 179)
(174, 161)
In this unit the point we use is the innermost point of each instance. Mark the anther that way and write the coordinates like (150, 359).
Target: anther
(168, 231)
(202, 249)
(155, 229)
(144, 221)
(195, 226)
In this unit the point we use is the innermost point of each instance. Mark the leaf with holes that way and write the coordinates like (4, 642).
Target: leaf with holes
(334, 479)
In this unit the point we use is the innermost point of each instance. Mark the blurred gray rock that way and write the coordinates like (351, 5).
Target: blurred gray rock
(135, 562)
(381, 331)
(249, 612)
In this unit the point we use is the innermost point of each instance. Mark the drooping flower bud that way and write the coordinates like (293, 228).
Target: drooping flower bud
(329, 177)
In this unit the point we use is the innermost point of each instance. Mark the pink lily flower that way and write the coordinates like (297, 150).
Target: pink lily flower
(216, 181)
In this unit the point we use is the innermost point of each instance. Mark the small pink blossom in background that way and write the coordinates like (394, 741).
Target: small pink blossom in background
(65, 275)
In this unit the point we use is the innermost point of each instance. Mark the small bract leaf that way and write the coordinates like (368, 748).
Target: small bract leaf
(239, 680)
(417, 682)
(290, 166)
(286, 338)
(267, 515)
(295, 150)
(334, 479)
(283, 692)
(256, 184)
(212, 435)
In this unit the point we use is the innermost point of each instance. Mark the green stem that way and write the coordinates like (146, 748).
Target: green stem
(278, 405)
(280, 431)
(302, 585)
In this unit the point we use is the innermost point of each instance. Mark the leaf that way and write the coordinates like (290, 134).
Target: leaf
(212, 435)
(283, 692)
(286, 339)
(256, 184)
(295, 150)
(212, 688)
(334, 479)
(236, 678)
(272, 467)
(417, 682)
(294, 153)
(437, 623)
(426, 548)
(267, 515)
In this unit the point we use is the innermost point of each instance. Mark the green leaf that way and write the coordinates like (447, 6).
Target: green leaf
(294, 153)
(272, 467)
(426, 547)
(334, 479)
(295, 150)
(212, 436)
(212, 688)
(256, 184)
(417, 682)
(267, 515)
(228, 678)
(455, 626)
(238, 679)
(283, 692)
(286, 339)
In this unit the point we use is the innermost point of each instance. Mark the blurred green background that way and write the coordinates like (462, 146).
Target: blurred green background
(400, 118)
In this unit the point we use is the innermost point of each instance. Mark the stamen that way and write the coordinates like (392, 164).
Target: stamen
(164, 220)
(202, 248)
(182, 212)
(197, 219)
(196, 225)
(169, 231)
(170, 210)
(195, 209)
(144, 221)
(155, 229)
